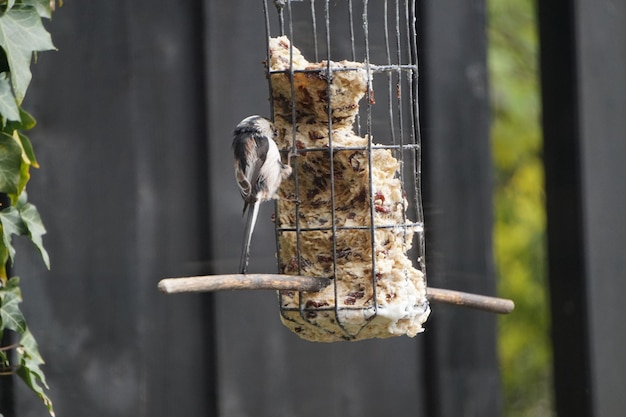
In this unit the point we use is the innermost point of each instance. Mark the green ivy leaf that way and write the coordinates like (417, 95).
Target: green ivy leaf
(24, 177)
(4, 258)
(21, 34)
(25, 122)
(10, 315)
(29, 358)
(28, 151)
(14, 190)
(32, 220)
(10, 164)
(23, 219)
(30, 362)
(8, 107)
(12, 224)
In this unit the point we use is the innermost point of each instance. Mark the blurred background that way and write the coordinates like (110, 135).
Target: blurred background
(519, 207)
(522, 108)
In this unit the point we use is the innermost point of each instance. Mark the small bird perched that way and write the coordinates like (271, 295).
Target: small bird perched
(258, 170)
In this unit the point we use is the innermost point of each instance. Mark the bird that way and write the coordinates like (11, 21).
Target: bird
(259, 171)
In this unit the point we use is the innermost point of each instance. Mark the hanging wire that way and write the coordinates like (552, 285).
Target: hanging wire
(351, 18)
(314, 28)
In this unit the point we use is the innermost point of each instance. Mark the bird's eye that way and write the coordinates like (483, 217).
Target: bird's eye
(275, 132)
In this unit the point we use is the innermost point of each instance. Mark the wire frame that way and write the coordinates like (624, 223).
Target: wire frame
(380, 34)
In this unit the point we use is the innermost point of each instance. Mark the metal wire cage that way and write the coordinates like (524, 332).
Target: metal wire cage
(350, 130)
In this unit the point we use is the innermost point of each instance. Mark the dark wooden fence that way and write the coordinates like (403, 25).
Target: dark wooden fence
(135, 117)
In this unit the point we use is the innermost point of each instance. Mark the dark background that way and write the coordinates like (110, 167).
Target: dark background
(135, 116)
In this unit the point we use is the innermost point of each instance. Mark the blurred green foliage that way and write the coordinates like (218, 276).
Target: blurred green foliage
(519, 232)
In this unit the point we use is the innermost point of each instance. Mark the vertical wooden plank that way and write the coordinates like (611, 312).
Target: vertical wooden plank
(601, 46)
(583, 82)
(169, 130)
(120, 189)
(265, 370)
(463, 377)
(565, 227)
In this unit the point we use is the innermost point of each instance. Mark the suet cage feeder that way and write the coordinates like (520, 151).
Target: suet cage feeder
(343, 88)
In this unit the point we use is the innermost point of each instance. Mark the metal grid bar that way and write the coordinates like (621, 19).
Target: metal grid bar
(416, 132)
(415, 226)
(369, 100)
(372, 67)
(331, 159)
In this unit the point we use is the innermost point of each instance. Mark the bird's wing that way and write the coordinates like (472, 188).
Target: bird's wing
(254, 172)
(245, 188)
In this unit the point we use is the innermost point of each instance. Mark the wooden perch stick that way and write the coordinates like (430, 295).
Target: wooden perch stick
(464, 299)
(242, 282)
(300, 283)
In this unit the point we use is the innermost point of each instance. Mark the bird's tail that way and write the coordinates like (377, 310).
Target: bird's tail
(247, 237)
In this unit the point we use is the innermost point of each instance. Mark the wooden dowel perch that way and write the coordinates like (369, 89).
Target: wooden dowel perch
(299, 283)
(464, 299)
(242, 282)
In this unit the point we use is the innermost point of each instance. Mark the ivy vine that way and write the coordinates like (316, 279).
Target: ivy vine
(22, 35)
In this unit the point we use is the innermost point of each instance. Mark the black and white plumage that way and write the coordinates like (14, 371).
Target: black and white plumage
(258, 170)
